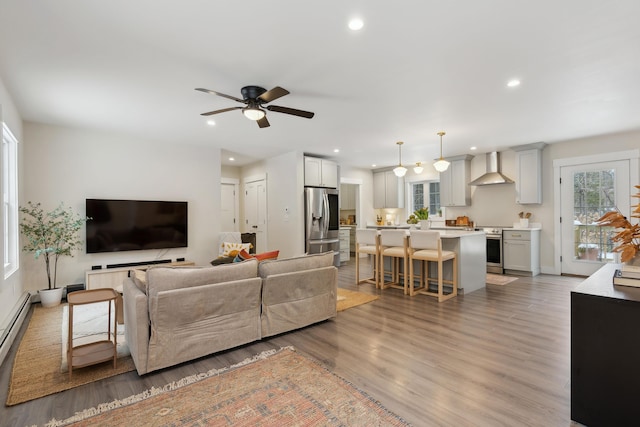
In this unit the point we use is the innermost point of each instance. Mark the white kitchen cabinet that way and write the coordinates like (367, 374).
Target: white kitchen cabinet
(347, 197)
(529, 173)
(345, 243)
(454, 182)
(320, 172)
(521, 252)
(388, 190)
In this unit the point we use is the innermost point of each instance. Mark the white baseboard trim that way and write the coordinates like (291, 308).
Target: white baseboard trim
(14, 322)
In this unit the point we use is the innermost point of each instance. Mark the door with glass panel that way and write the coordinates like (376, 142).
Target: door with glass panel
(587, 192)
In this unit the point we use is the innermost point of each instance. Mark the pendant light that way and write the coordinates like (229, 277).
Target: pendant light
(400, 170)
(418, 168)
(441, 165)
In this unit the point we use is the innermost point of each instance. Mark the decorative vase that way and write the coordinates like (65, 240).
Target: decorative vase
(425, 224)
(50, 297)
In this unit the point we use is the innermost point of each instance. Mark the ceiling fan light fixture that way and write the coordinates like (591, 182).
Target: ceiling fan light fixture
(253, 113)
(418, 168)
(441, 165)
(400, 170)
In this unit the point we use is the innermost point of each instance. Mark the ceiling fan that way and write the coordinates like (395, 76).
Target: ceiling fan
(254, 97)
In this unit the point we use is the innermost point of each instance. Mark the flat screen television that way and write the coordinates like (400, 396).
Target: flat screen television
(129, 225)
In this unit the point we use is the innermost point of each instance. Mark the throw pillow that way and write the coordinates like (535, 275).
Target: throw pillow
(222, 260)
(267, 255)
(242, 256)
(230, 247)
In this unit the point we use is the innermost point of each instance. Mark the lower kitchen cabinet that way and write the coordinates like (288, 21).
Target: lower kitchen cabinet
(521, 252)
(345, 240)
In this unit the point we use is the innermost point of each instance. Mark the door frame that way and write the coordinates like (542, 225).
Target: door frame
(633, 156)
(358, 183)
(236, 199)
(248, 180)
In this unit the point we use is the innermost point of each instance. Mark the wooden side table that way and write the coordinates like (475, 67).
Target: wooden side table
(98, 351)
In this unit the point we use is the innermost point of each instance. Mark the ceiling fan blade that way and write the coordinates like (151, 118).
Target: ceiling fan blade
(224, 110)
(292, 111)
(263, 122)
(273, 94)
(220, 94)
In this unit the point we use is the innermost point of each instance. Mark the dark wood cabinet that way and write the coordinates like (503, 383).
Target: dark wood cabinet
(605, 351)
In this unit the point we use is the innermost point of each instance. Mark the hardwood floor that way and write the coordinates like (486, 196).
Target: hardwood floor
(499, 356)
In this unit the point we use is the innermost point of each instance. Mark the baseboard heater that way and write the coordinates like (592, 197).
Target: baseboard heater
(13, 324)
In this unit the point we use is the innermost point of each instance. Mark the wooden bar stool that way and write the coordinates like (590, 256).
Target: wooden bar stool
(427, 246)
(367, 242)
(393, 243)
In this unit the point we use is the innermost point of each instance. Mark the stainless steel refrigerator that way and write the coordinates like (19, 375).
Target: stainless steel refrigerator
(322, 221)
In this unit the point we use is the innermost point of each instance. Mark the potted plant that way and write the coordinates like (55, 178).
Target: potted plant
(628, 238)
(422, 215)
(51, 235)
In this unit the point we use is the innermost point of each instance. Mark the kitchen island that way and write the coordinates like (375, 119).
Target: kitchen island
(471, 249)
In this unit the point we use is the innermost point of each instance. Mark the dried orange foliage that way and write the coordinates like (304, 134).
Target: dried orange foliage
(628, 238)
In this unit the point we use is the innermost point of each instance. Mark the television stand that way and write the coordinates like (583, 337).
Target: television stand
(114, 277)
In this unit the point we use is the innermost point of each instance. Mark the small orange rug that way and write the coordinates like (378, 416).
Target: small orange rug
(276, 388)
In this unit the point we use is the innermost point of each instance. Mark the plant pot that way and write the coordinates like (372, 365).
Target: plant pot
(425, 224)
(50, 297)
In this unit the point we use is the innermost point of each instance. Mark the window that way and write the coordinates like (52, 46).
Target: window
(10, 200)
(424, 193)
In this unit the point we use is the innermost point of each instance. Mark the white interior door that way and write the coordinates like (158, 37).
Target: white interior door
(587, 192)
(229, 207)
(255, 209)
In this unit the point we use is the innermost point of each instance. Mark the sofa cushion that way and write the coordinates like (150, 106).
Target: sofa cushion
(161, 278)
(301, 263)
(244, 255)
(139, 277)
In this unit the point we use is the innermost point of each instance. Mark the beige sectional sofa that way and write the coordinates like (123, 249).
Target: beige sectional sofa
(176, 314)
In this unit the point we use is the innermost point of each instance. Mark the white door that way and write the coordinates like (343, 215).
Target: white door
(587, 192)
(255, 209)
(228, 203)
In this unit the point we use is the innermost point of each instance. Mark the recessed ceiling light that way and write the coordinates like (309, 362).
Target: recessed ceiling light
(211, 122)
(473, 148)
(513, 83)
(373, 165)
(232, 159)
(336, 150)
(356, 24)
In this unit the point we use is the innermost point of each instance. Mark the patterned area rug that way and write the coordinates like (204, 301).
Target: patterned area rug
(37, 366)
(275, 388)
(348, 299)
(499, 279)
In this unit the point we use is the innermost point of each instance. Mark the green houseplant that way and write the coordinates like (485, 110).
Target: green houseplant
(51, 235)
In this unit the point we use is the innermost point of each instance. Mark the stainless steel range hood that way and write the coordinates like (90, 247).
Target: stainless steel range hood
(493, 175)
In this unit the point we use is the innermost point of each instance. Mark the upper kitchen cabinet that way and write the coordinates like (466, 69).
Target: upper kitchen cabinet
(347, 197)
(388, 190)
(454, 182)
(529, 173)
(320, 172)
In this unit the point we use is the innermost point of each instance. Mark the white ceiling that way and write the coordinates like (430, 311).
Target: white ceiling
(417, 67)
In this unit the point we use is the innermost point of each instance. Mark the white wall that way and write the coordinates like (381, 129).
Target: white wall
(69, 165)
(12, 288)
(285, 192)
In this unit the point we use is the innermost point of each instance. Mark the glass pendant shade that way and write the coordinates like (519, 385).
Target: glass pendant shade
(400, 170)
(441, 165)
(253, 113)
(418, 168)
